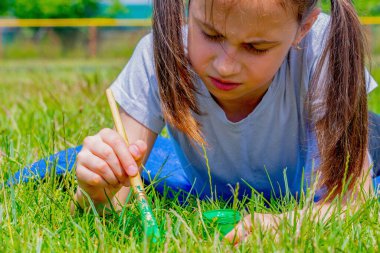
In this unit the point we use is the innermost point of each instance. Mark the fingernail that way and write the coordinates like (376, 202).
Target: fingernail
(134, 150)
(132, 170)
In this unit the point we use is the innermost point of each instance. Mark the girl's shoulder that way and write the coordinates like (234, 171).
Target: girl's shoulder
(144, 49)
(321, 24)
(136, 89)
(315, 40)
(314, 43)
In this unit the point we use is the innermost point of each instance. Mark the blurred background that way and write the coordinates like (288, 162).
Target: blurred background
(115, 27)
(99, 37)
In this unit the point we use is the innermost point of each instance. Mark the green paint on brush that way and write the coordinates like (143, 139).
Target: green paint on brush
(150, 226)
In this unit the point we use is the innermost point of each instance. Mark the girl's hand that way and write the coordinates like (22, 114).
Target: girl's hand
(105, 163)
(244, 227)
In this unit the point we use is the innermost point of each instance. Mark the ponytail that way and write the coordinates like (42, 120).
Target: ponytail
(342, 130)
(175, 82)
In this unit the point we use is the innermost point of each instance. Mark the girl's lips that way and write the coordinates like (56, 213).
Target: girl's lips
(223, 85)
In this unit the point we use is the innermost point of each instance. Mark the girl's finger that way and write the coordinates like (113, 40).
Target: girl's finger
(138, 150)
(241, 230)
(102, 150)
(87, 178)
(94, 185)
(98, 166)
(114, 140)
(235, 235)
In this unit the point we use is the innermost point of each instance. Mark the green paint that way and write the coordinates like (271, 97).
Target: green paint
(223, 220)
(149, 222)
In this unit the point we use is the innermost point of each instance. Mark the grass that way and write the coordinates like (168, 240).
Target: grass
(47, 106)
(374, 97)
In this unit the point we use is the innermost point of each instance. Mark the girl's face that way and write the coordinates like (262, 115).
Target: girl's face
(236, 47)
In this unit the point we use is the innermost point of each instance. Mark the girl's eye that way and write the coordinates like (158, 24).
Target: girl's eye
(249, 47)
(210, 37)
(253, 49)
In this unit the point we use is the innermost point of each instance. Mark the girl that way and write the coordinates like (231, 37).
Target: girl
(266, 90)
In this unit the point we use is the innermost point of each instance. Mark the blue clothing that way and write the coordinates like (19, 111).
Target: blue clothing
(271, 150)
(374, 143)
(162, 168)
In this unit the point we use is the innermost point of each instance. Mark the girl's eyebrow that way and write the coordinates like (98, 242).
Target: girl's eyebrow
(207, 25)
(251, 41)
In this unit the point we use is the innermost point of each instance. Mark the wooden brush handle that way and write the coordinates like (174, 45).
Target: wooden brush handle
(135, 181)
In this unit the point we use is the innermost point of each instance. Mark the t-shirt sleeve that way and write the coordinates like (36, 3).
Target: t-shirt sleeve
(371, 83)
(136, 88)
(315, 44)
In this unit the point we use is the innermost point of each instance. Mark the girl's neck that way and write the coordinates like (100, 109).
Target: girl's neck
(237, 111)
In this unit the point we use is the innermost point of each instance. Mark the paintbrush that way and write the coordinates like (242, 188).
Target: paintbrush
(148, 220)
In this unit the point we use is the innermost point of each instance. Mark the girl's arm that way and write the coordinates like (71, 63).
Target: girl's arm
(95, 146)
(319, 212)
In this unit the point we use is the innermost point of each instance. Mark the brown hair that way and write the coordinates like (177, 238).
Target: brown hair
(341, 131)
(177, 90)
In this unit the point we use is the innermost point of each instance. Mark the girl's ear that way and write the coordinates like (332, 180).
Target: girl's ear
(306, 25)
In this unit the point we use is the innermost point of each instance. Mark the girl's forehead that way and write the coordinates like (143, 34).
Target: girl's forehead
(243, 17)
(246, 7)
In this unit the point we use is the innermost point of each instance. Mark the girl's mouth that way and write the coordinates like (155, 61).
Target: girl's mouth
(224, 85)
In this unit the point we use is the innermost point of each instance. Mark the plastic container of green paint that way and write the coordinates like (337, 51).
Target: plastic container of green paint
(223, 220)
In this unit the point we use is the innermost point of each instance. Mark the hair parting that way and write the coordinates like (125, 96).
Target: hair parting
(342, 130)
(176, 87)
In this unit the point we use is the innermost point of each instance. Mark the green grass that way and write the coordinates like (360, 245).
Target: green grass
(47, 106)
(374, 97)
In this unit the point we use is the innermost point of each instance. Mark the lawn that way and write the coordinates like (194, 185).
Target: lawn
(47, 106)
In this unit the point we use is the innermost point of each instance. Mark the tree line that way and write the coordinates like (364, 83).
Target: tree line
(60, 8)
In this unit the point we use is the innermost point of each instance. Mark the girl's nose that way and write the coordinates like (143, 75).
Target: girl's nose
(226, 64)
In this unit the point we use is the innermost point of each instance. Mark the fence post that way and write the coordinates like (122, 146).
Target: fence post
(92, 34)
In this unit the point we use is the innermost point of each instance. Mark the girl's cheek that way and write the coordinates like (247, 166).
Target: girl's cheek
(200, 55)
